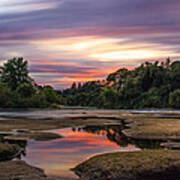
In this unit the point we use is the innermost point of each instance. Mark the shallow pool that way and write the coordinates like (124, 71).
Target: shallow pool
(58, 156)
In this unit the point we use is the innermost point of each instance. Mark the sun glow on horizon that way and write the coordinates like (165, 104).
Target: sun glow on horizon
(131, 55)
(96, 42)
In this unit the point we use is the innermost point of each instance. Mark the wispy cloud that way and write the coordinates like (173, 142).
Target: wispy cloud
(21, 6)
(83, 33)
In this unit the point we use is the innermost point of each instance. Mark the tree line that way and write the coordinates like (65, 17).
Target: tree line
(19, 90)
(151, 85)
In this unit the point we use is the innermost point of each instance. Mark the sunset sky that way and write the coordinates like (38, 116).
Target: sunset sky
(81, 40)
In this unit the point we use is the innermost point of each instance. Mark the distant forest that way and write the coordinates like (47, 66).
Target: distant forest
(19, 90)
(151, 85)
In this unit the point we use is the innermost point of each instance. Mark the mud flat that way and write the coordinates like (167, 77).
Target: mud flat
(19, 170)
(16, 129)
(38, 136)
(164, 126)
(49, 124)
(145, 164)
(141, 165)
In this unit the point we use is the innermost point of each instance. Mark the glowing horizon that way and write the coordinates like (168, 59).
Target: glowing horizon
(76, 40)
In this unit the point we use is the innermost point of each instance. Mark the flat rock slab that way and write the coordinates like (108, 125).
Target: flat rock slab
(20, 170)
(141, 165)
(39, 136)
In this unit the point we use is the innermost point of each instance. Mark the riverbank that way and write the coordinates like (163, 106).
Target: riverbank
(16, 169)
(157, 126)
(21, 128)
(25, 128)
(141, 165)
(21, 171)
(9, 151)
(146, 164)
(139, 125)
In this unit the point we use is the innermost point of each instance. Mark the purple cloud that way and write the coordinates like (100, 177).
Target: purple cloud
(24, 22)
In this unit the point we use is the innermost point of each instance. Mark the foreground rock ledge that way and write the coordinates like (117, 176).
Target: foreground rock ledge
(158, 128)
(20, 170)
(12, 170)
(9, 151)
(141, 165)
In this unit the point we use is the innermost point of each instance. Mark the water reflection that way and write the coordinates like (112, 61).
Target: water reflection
(58, 156)
(114, 134)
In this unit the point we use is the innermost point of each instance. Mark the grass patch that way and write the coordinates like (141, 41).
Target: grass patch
(154, 128)
(156, 164)
(49, 124)
(39, 136)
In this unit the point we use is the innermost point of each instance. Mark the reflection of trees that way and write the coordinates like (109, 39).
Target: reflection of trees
(114, 134)
(146, 143)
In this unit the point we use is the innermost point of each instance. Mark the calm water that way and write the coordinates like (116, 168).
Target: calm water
(60, 114)
(58, 156)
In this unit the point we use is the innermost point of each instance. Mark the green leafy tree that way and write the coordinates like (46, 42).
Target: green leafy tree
(38, 101)
(15, 72)
(175, 66)
(175, 75)
(26, 90)
(50, 94)
(174, 99)
(149, 99)
(147, 86)
(5, 96)
(110, 97)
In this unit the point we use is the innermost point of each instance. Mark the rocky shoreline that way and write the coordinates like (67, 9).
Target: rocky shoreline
(159, 164)
(141, 165)
(145, 164)
(19, 170)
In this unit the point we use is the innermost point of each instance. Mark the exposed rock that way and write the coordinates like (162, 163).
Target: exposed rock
(39, 136)
(19, 170)
(141, 165)
(9, 151)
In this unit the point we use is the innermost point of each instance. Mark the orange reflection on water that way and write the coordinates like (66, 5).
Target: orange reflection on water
(57, 157)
